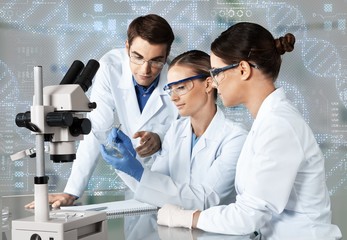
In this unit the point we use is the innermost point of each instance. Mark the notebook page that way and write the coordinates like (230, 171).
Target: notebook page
(125, 207)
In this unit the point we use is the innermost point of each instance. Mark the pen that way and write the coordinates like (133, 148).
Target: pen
(96, 209)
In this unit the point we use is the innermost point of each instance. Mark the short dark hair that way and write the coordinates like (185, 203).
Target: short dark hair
(152, 28)
(252, 42)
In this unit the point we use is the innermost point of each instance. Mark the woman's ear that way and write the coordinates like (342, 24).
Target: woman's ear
(209, 84)
(245, 70)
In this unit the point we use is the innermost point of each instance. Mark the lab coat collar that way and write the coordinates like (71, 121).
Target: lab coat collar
(155, 103)
(269, 103)
(124, 82)
(216, 126)
(213, 130)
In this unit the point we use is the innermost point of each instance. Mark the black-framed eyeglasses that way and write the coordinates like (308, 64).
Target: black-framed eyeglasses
(214, 72)
(140, 61)
(182, 86)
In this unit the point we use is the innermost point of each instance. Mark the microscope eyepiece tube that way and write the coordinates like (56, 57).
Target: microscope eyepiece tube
(73, 72)
(87, 75)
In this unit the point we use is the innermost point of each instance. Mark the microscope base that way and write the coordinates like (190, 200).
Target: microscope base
(62, 225)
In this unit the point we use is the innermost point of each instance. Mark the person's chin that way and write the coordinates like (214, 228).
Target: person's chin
(144, 81)
(222, 99)
(183, 113)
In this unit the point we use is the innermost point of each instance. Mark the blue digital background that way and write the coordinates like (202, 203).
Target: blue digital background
(55, 33)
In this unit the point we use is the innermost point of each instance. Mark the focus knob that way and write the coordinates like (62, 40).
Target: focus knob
(80, 126)
(59, 119)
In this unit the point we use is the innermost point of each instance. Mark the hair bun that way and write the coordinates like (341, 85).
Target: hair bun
(285, 44)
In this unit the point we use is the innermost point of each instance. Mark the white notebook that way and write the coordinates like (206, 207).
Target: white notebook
(117, 208)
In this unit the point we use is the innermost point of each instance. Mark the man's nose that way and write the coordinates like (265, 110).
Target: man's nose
(146, 67)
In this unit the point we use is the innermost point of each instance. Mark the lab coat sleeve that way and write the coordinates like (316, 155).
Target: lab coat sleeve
(128, 180)
(159, 164)
(102, 120)
(158, 188)
(219, 181)
(266, 183)
(83, 167)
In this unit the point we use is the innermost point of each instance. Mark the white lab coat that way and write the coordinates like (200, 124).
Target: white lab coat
(195, 179)
(115, 96)
(280, 181)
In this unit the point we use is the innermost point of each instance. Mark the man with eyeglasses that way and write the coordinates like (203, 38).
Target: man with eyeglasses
(128, 90)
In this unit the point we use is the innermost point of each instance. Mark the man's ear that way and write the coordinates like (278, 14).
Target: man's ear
(245, 69)
(127, 46)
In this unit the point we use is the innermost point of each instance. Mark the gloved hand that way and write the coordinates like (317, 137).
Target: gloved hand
(167, 233)
(117, 135)
(126, 161)
(175, 216)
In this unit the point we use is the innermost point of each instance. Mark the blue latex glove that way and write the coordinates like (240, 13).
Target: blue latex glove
(126, 163)
(116, 135)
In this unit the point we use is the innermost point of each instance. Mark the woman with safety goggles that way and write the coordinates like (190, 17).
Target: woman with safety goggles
(280, 176)
(196, 166)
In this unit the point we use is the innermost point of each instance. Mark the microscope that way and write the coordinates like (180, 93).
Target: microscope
(57, 117)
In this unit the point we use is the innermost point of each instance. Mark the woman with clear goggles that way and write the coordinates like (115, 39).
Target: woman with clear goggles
(280, 176)
(196, 165)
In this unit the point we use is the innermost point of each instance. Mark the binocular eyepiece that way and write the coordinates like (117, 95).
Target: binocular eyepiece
(57, 116)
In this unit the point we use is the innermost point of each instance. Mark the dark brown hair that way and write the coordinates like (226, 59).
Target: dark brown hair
(197, 60)
(253, 43)
(152, 28)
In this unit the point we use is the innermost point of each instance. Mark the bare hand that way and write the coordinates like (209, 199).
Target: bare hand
(56, 200)
(149, 143)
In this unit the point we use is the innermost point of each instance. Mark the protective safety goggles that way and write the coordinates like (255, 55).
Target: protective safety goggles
(217, 74)
(182, 86)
